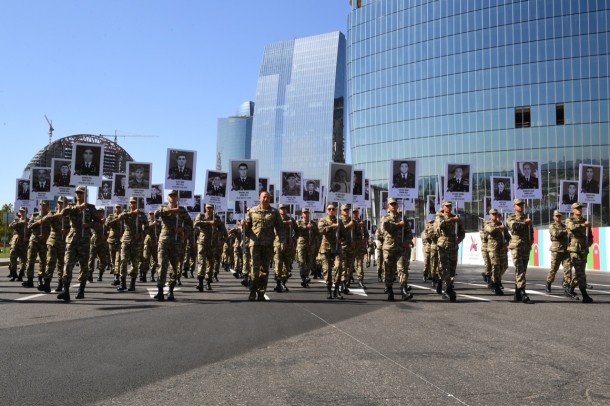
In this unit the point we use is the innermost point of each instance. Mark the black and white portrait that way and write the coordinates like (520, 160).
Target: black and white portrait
(458, 178)
(502, 196)
(138, 179)
(340, 183)
(180, 169)
(527, 180)
(403, 178)
(244, 180)
(590, 181)
(87, 164)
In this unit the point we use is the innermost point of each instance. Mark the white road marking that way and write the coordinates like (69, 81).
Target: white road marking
(358, 291)
(31, 297)
(482, 299)
(153, 291)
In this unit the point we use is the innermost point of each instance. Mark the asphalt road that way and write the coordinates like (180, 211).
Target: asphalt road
(299, 348)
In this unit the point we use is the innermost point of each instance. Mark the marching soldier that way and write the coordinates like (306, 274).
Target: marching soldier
(115, 232)
(56, 246)
(379, 253)
(151, 244)
(211, 232)
(434, 259)
(173, 220)
(581, 238)
(485, 254)
(522, 238)
(99, 247)
(307, 243)
(396, 237)
(448, 227)
(82, 216)
(360, 239)
(370, 252)
(330, 251)
(283, 258)
(426, 242)
(559, 254)
(495, 233)
(263, 223)
(37, 247)
(18, 244)
(348, 247)
(134, 225)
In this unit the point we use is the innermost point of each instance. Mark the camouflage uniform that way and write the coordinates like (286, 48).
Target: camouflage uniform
(171, 243)
(522, 236)
(237, 251)
(370, 245)
(283, 259)
(485, 254)
(497, 244)
(427, 252)
(261, 227)
(115, 231)
(56, 247)
(559, 253)
(149, 253)
(361, 251)
(449, 238)
(434, 256)
(581, 237)
(99, 249)
(307, 242)
(18, 247)
(211, 233)
(187, 246)
(134, 226)
(396, 239)
(379, 253)
(330, 250)
(37, 248)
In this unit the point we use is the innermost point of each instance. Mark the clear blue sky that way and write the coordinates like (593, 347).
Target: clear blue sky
(166, 68)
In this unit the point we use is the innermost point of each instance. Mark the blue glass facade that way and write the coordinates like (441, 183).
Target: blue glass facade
(448, 81)
(298, 117)
(234, 136)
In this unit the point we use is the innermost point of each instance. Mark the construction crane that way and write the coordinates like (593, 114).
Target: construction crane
(116, 135)
(51, 129)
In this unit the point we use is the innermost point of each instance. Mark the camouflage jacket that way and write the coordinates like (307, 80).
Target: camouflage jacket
(559, 237)
(394, 236)
(39, 231)
(577, 231)
(171, 222)
(212, 235)
(329, 243)
(59, 228)
(115, 228)
(307, 236)
(449, 236)
(78, 217)
(262, 225)
(521, 234)
(134, 225)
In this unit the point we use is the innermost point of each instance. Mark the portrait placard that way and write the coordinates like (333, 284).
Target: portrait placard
(138, 179)
(340, 181)
(383, 197)
(527, 180)
(22, 192)
(403, 178)
(180, 169)
(358, 189)
(61, 174)
(568, 191)
(104, 193)
(486, 207)
(367, 194)
(244, 180)
(156, 197)
(431, 208)
(40, 186)
(291, 187)
(590, 181)
(87, 164)
(312, 195)
(458, 181)
(216, 189)
(502, 197)
(119, 195)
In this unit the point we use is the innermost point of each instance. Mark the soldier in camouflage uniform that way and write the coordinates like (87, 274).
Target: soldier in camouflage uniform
(360, 238)
(434, 257)
(330, 251)
(246, 256)
(396, 237)
(263, 223)
(581, 238)
(171, 242)
(190, 253)
(134, 226)
(226, 259)
(448, 227)
(307, 242)
(379, 253)
(37, 247)
(559, 253)
(426, 242)
(522, 238)
(497, 243)
(98, 247)
(56, 245)
(236, 234)
(486, 274)
(211, 233)
(283, 258)
(115, 232)
(19, 248)
(151, 245)
(82, 217)
(189, 237)
(370, 251)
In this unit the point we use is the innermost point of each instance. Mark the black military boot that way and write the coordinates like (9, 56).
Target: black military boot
(152, 275)
(13, 275)
(40, 286)
(329, 292)
(185, 273)
(278, 286)
(200, 284)
(60, 285)
(361, 285)
(260, 297)
(439, 287)
(517, 297)
(20, 276)
(47, 285)
(251, 296)
(116, 281)
(29, 283)
(450, 293)
(304, 282)
(81, 290)
(123, 286)
(585, 296)
(524, 297)
(159, 296)
(345, 289)
(132, 284)
(90, 277)
(65, 294)
(379, 271)
(434, 281)
(99, 275)
(497, 289)
(208, 285)
(170, 295)
(548, 287)
(246, 281)
(390, 293)
(285, 287)
(406, 295)
(337, 293)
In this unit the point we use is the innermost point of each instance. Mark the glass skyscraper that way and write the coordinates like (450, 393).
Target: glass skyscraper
(233, 136)
(299, 112)
(481, 82)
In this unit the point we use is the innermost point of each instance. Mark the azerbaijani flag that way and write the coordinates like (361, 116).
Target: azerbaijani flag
(593, 259)
(534, 257)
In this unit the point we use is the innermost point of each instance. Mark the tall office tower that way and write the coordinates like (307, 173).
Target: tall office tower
(299, 112)
(233, 136)
(481, 82)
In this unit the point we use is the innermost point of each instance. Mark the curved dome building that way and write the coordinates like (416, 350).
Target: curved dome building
(481, 82)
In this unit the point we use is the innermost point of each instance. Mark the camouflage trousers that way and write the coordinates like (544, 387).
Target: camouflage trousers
(563, 259)
(498, 259)
(579, 262)
(37, 249)
(115, 257)
(206, 260)
(332, 268)
(282, 263)
(131, 252)
(227, 256)
(190, 256)
(261, 255)
(379, 261)
(55, 257)
(448, 264)
(98, 250)
(19, 253)
(238, 258)
(306, 258)
(427, 262)
(434, 262)
(359, 267)
(169, 254)
(347, 260)
(395, 262)
(149, 257)
(487, 266)
(521, 258)
(247, 261)
(76, 250)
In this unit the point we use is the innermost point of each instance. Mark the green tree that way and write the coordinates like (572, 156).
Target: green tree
(4, 231)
